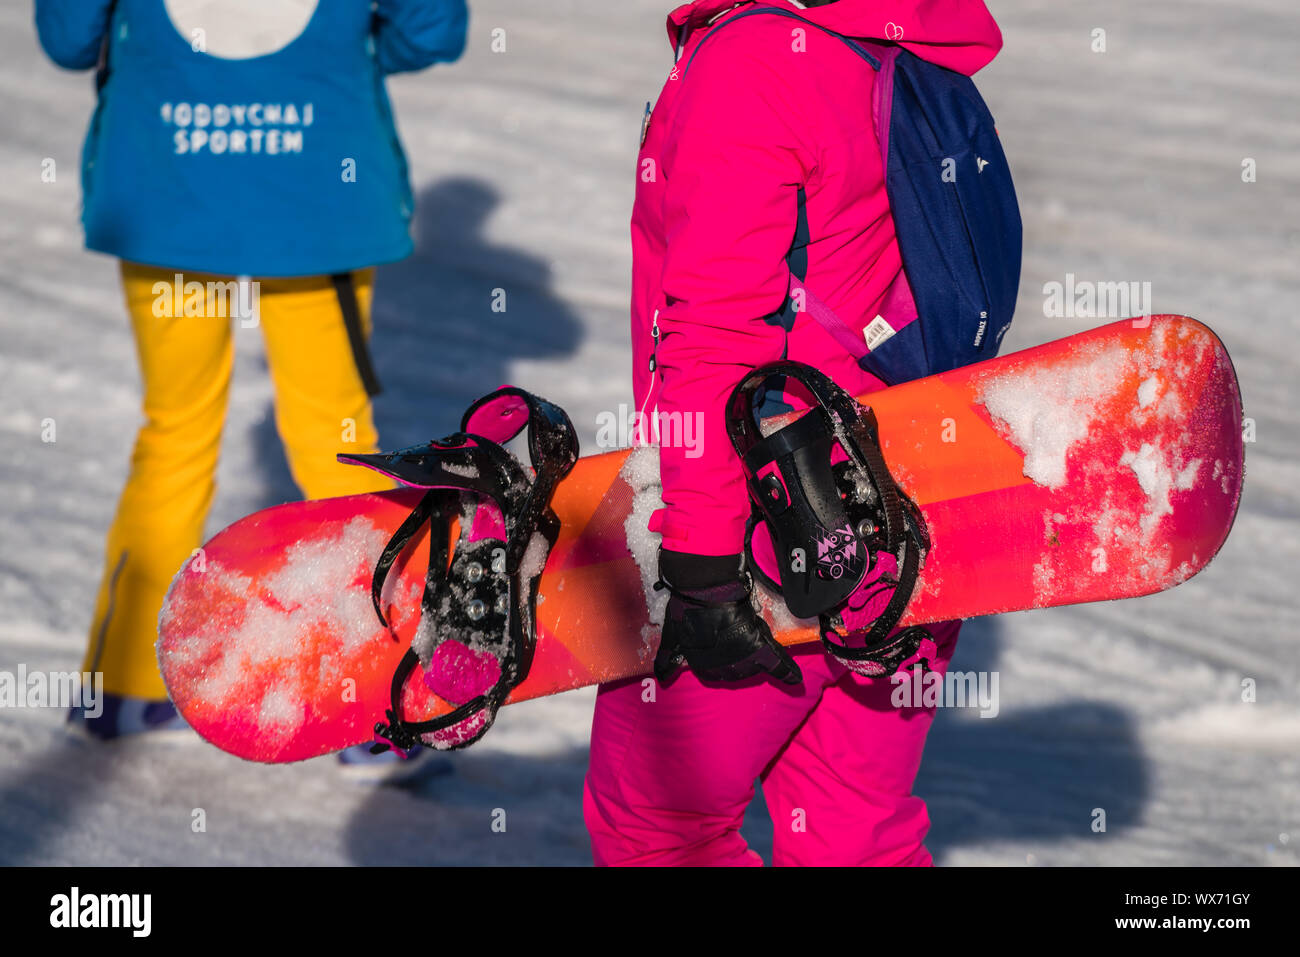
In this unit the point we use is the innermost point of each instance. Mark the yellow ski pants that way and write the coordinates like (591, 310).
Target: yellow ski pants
(185, 345)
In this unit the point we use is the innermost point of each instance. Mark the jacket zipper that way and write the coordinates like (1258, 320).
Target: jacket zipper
(654, 371)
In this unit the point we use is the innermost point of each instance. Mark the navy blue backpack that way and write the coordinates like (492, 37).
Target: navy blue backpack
(955, 216)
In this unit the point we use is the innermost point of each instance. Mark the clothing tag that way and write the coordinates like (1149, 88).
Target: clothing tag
(877, 331)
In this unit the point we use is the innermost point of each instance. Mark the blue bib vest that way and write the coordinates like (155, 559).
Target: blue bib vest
(285, 163)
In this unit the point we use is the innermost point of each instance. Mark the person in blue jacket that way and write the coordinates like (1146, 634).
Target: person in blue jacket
(243, 163)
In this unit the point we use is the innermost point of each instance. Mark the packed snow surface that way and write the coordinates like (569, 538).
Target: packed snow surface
(1158, 479)
(311, 588)
(1179, 714)
(1046, 411)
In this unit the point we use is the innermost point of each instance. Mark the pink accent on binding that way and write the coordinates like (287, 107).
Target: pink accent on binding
(488, 523)
(871, 597)
(458, 733)
(499, 419)
(457, 673)
(837, 555)
(400, 752)
(771, 469)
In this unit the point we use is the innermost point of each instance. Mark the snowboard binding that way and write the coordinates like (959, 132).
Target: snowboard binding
(477, 627)
(831, 531)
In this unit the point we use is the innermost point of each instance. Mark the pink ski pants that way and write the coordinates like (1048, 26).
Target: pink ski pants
(673, 768)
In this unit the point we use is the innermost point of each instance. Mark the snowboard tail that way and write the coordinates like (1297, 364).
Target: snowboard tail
(1101, 466)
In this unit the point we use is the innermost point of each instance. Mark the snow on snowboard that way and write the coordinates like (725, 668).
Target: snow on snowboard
(1104, 465)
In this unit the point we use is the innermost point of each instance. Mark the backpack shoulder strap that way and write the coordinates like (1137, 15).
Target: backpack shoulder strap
(852, 44)
(800, 297)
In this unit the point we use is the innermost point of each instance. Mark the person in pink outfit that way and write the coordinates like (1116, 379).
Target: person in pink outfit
(760, 157)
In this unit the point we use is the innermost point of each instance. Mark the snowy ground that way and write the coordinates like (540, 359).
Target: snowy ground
(1128, 164)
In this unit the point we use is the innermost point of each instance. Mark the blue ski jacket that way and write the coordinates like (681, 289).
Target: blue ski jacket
(249, 137)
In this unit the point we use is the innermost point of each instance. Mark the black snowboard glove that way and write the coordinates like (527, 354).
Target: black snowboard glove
(711, 624)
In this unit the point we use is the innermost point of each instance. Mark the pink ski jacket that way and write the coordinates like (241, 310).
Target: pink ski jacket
(768, 107)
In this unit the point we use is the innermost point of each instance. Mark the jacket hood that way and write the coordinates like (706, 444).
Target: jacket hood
(957, 34)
